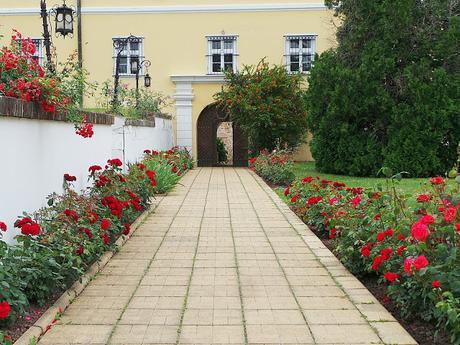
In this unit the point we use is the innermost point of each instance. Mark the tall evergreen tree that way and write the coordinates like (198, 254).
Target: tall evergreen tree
(389, 94)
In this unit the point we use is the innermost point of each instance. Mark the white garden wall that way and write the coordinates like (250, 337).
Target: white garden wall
(35, 154)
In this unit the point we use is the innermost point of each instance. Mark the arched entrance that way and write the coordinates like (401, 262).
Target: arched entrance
(208, 122)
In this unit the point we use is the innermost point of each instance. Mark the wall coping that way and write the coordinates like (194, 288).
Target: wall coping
(13, 107)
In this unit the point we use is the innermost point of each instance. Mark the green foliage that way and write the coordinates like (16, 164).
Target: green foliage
(150, 102)
(268, 104)
(388, 95)
(222, 154)
(276, 167)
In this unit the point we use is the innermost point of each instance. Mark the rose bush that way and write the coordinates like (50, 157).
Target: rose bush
(275, 167)
(59, 242)
(414, 250)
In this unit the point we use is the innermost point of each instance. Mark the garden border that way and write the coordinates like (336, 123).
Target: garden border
(43, 324)
(13, 107)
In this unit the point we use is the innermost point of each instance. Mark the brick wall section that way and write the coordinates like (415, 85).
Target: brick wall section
(12, 107)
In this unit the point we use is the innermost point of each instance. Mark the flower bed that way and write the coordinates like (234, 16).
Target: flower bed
(275, 167)
(60, 241)
(414, 250)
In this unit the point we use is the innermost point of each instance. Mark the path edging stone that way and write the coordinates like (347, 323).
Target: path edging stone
(46, 321)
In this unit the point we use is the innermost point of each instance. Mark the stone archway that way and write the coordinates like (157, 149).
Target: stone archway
(207, 125)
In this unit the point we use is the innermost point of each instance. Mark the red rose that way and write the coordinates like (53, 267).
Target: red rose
(332, 233)
(28, 226)
(436, 284)
(93, 168)
(286, 191)
(391, 277)
(450, 214)
(92, 217)
(127, 229)
(386, 253)
(401, 237)
(147, 152)
(5, 310)
(408, 265)
(3, 226)
(71, 214)
(381, 236)
(105, 224)
(105, 238)
(389, 232)
(141, 166)
(307, 179)
(420, 231)
(436, 181)
(356, 200)
(69, 178)
(420, 262)
(115, 162)
(366, 250)
(427, 219)
(294, 199)
(153, 182)
(457, 227)
(423, 198)
(333, 201)
(377, 263)
(150, 174)
(80, 250)
(400, 250)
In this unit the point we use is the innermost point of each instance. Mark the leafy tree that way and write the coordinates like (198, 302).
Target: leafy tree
(388, 95)
(268, 104)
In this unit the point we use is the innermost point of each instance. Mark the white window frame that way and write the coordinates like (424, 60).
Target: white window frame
(222, 52)
(128, 56)
(300, 51)
(39, 49)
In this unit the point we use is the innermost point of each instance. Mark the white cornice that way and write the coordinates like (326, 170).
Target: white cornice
(198, 79)
(280, 7)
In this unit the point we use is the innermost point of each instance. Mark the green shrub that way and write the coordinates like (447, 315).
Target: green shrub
(222, 154)
(275, 167)
(373, 102)
(268, 103)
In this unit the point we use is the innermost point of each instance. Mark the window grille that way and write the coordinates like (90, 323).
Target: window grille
(300, 53)
(133, 50)
(222, 54)
(39, 47)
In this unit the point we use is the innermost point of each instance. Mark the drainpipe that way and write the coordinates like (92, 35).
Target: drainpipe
(80, 44)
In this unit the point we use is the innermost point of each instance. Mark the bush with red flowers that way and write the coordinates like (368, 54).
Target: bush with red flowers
(22, 77)
(60, 241)
(413, 250)
(275, 167)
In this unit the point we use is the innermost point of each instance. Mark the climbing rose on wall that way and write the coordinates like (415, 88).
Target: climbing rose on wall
(85, 128)
(28, 226)
(69, 178)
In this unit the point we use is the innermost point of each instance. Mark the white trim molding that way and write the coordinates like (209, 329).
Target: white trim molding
(198, 79)
(184, 114)
(279, 7)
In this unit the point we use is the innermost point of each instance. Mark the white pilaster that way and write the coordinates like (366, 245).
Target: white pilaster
(184, 130)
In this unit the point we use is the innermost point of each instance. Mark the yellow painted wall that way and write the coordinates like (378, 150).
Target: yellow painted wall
(175, 42)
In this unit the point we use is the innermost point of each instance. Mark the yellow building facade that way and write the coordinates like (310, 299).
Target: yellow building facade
(188, 43)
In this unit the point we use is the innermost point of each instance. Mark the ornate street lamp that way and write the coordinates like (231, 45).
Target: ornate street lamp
(136, 67)
(64, 19)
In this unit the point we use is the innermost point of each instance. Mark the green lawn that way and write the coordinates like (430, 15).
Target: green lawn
(409, 185)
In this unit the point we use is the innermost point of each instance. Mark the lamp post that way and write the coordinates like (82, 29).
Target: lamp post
(120, 45)
(136, 67)
(64, 17)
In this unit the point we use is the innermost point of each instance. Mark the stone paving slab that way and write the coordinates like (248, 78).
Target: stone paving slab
(224, 261)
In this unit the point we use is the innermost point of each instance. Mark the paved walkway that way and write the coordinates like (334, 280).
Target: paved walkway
(224, 261)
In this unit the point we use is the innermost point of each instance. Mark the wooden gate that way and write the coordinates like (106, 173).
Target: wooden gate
(208, 122)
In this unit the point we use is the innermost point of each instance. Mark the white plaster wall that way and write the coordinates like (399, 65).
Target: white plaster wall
(34, 156)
